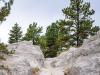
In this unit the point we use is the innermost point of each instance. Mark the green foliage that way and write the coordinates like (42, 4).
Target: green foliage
(79, 23)
(33, 33)
(15, 34)
(51, 38)
(60, 41)
(5, 10)
(35, 70)
(59, 52)
(11, 52)
(46, 53)
(5, 68)
(42, 42)
(94, 30)
(3, 48)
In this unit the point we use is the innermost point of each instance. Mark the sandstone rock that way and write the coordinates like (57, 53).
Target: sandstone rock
(26, 57)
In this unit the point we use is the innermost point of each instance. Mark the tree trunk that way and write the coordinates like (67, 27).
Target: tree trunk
(77, 22)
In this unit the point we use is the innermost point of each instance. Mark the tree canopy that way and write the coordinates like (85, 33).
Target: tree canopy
(15, 34)
(78, 22)
(51, 38)
(5, 10)
(33, 33)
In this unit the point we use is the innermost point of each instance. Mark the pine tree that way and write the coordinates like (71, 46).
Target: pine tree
(51, 38)
(5, 10)
(78, 21)
(33, 33)
(15, 34)
(65, 33)
(94, 30)
(60, 42)
(42, 42)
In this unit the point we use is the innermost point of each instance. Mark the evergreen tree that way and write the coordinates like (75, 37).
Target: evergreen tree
(15, 34)
(78, 21)
(42, 42)
(51, 38)
(5, 10)
(65, 33)
(33, 33)
(94, 30)
(60, 42)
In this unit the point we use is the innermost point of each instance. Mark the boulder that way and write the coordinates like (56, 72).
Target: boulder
(26, 58)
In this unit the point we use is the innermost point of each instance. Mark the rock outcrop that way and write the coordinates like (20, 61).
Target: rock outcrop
(84, 60)
(87, 58)
(26, 57)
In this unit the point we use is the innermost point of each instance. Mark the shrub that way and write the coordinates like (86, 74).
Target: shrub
(35, 70)
(3, 50)
(59, 52)
(11, 52)
(4, 68)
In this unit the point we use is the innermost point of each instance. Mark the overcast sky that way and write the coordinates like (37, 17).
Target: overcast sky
(44, 12)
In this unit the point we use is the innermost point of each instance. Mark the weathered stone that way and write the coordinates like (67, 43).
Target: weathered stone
(26, 57)
(87, 58)
(3, 72)
(84, 60)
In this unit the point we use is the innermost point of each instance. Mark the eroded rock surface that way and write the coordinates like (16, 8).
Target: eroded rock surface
(84, 60)
(87, 58)
(26, 57)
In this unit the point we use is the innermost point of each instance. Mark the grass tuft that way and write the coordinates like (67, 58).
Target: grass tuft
(36, 70)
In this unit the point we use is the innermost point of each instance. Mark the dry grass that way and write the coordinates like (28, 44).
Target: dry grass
(6, 69)
(2, 57)
(66, 71)
(36, 70)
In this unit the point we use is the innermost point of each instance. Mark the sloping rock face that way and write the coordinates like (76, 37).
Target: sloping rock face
(87, 58)
(84, 60)
(26, 57)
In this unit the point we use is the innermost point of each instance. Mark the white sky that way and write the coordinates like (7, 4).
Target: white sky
(44, 12)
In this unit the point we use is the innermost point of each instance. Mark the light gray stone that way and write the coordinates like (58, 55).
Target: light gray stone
(2, 72)
(26, 57)
(84, 60)
(87, 57)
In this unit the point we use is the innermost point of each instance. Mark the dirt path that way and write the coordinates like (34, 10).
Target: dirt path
(49, 70)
